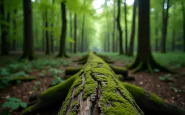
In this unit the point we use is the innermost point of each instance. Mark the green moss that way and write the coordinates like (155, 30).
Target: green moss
(72, 113)
(134, 90)
(79, 89)
(156, 99)
(118, 68)
(27, 110)
(74, 103)
(90, 86)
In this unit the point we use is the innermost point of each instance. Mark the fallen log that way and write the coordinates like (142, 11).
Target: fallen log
(95, 90)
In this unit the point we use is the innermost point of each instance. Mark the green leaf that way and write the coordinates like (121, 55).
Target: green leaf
(14, 99)
(23, 104)
(156, 70)
(7, 104)
(162, 78)
(14, 106)
(37, 83)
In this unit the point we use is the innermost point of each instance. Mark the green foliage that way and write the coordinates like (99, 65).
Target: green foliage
(56, 81)
(174, 88)
(166, 77)
(14, 103)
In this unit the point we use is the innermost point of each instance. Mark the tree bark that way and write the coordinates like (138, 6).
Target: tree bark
(62, 50)
(14, 30)
(156, 32)
(183, 13)
(95, 90)
(4, 31)
(165, 24)
(120, 30)
(126, 30)
(43, 32)
(75, 34)
(174, 29)
(144, 59)
(51, 33)
(131, 48)
(114, 27)
(47, 33)
(71, 30)
(28, 31)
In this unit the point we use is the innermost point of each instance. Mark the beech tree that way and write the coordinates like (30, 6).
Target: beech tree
(144, 59)
(28, 31)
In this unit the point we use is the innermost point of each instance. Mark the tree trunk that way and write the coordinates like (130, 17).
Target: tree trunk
(43, 32)
(156, 32)
(144, 59)
(4, 31)
(71, 30)
(95, 90)
(114, 27)
(164, 28)
(131, 48)
(183, 13)
(126, 31)
(14, 30)
(174, 29)
(28, 31)
(47, 33)
(82, 40)
(75, 34)
(51, 33)
(62, 50)
(120, 30)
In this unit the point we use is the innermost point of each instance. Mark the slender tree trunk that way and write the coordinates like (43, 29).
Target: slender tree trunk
(43, 32)
(71, 34)
(165, 24)
(131, 48)
(75, 34)
(62, 50)
(14, 30)
(82, 40)
(120, 30)
(183, 13)
(156, 32)
(28, 31)
(174, 29)
(114, 27)
(4, 29)
(47, 33)
(51, 34)
(126, 30)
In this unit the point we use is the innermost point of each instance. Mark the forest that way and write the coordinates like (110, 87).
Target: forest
(92, 57)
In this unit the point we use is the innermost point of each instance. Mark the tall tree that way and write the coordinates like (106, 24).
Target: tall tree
(114, 26)
(144, 59)
(156, 32)
(183, 13)
(126, 30)
(62, 49)
(75, 34)
(119, 29)
(47, 33)
(51, 34)
(28, 31)
(131, 47)
(14, 29)
(83, 26)
(71, 30)
(174, 29)
(4, 30)
(165, 9)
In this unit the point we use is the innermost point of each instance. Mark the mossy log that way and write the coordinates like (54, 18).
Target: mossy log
(95, 90)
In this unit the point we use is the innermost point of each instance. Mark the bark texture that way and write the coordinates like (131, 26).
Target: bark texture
(4, 30)
(95, 90)
(131, 47)
(144, 59)
(164, 25)
(120, 30)
(28, 31)
(62, 49)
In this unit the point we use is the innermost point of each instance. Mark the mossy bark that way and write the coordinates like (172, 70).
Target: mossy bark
(96, 90)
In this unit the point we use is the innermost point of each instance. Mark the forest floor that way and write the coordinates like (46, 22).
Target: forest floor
(50, 71)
